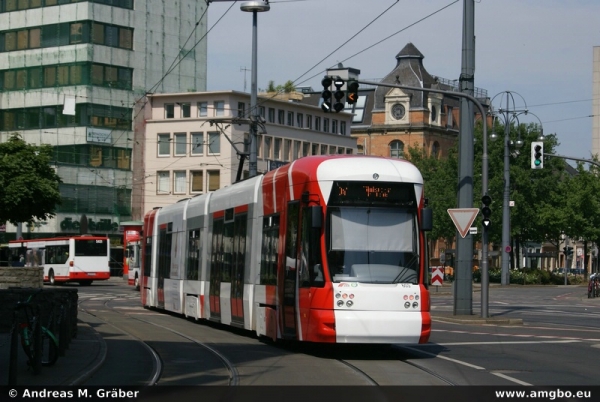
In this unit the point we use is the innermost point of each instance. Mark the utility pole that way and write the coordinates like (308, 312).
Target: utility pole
(463, 291)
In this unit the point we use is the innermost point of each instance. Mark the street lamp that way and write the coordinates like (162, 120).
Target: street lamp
(509, 113)
(254, 7)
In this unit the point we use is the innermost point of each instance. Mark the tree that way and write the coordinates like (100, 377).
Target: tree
(29, 184)
(288, 87)
(440, 187)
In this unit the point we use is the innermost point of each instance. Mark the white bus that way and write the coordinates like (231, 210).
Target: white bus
(82, 259)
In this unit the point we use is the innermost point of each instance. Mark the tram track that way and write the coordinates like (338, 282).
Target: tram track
(244, 360)
(162, 348)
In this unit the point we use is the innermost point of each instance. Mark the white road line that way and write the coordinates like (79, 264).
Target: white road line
(443, 357)
(507, 342)
(509, 378)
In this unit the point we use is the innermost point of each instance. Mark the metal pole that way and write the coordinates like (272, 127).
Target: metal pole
(252, 168)
(463, 296)
(505, 272)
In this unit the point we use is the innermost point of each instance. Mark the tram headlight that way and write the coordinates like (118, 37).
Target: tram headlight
(415, 305)
(340, 303)
(407, 305)
(349, 303)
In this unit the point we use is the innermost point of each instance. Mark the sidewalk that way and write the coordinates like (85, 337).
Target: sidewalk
(85, 355)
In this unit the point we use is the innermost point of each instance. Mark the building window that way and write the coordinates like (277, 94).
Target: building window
(197, 143)
(281, 116)
(342, 127)
(186, 110)
(277, 149)
(164, 145)
(287, 148)
(297, 148)
(450, 122)
(261, 111)
(435, 149)
(267, 148)
(360, 149)
(323, 149)
(163, 183)
(317, 123)
(309, 121)
(325, 125)
(179, 183)
(334, 126)
(305, 148)
(271, 115)
(219, 108)
(180, 144)
(299, 120)
(169, 111)
(214, 179)
(196, 180)
(314, 149)
(290, 119)
(241, 109)
(397, 149)
(202, 109)
(214, 143)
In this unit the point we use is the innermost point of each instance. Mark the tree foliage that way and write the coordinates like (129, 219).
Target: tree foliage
(29, 184)
(548, 202)
(288, 87)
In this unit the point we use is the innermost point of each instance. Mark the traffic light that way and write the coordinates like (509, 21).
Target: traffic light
(352, 95)
(338, 95)
(326, 94)
(537, 155)
(568, 251)
(486, 211)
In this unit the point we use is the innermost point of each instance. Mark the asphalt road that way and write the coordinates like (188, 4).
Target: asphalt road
(557, 344)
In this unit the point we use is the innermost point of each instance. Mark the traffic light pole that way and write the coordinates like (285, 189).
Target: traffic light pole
(465, 294)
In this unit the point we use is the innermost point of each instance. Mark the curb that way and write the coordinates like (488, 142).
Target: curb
(474, 320)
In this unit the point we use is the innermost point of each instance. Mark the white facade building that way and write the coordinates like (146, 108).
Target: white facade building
(186, 145)
(72, 74)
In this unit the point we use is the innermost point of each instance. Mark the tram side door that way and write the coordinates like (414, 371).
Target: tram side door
(290, 274)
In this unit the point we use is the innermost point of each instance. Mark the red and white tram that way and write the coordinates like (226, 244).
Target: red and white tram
(326, 249)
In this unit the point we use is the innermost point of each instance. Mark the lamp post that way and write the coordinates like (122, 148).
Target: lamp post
(509, 114)
(254, 7)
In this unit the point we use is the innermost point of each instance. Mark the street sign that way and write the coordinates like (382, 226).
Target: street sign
(463, 218)
(437, 276)
(473, 230)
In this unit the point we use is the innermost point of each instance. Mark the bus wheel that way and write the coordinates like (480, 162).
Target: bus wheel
(51, 277)
(136, 282)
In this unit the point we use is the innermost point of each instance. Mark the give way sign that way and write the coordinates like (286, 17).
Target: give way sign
(463, 219)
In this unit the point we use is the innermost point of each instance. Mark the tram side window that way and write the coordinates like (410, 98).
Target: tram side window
(239, 248)
(311, 269)
(148, 256)
(270, 242)
(57, 254)
(165, 240)
(193, 259)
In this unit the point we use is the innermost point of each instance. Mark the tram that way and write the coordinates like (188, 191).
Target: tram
(325, 249)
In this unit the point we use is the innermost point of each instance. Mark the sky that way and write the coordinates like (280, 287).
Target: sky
(540, 50)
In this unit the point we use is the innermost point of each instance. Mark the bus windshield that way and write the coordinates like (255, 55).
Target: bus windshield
(373, 245)
(91, 248)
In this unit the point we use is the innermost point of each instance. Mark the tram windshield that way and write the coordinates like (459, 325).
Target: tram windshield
(373, 245)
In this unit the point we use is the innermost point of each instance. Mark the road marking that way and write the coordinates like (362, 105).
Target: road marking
(443, 357)
(509, 378)
(506, 342)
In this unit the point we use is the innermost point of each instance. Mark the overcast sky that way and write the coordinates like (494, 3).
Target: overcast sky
(541, 49)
